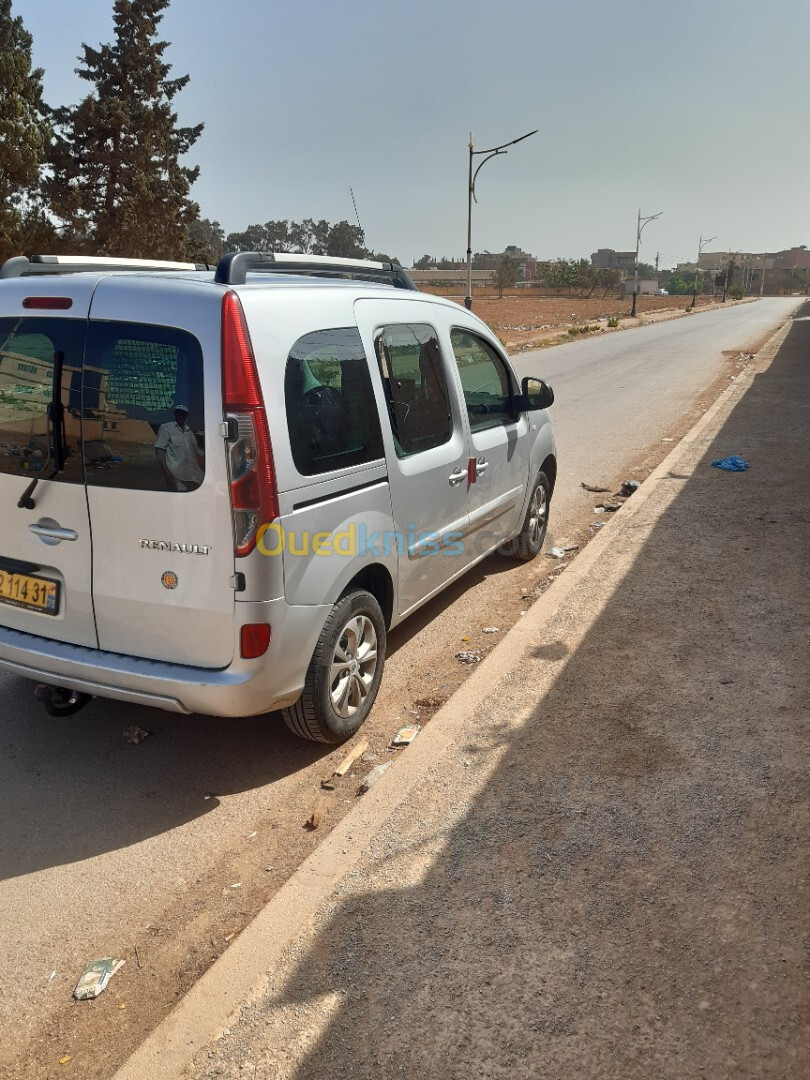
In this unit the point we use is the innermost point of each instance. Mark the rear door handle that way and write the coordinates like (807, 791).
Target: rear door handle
(53, 533)
(481, 465)
(457, 476)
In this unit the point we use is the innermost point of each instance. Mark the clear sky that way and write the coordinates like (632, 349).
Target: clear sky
(697, 108)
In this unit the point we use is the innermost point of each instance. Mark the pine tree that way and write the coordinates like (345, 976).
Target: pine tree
(24, 136)
(117, 183)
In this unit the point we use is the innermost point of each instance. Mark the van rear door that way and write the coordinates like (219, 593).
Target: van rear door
(163, 562)
(45, 544)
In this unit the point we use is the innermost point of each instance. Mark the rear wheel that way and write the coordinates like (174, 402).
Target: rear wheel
(344, 674)
(529, 540)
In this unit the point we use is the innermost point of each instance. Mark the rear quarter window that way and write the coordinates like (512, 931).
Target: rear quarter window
(331, 410)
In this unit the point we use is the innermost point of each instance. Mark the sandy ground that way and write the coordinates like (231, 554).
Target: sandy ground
(607, 872)
(526, 322)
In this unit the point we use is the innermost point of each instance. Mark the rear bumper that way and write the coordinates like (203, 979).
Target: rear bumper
(244, 688)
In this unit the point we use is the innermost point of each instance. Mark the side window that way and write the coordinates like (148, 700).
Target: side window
(331, 412)
(142, 408)
(28, 349)
(485, 381)
(415, 386)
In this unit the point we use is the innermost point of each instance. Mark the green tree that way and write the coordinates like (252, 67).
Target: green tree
(205, 241)
(559, 274)
(24, 138)
(118, 185)
(608, 279)
(346, 241)
(505, 274)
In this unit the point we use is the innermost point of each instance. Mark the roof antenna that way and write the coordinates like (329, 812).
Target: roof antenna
(354, 204)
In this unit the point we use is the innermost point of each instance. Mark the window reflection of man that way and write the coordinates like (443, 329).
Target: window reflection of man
(178, 454)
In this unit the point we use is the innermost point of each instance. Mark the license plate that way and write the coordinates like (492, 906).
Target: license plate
(33, 593)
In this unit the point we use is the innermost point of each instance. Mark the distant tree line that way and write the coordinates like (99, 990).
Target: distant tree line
(105, 176)
(207, 241)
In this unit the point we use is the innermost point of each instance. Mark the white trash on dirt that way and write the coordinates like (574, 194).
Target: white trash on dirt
(491, 630)
(406, 735)
(95, 977)
(373, 777)
(468, 657)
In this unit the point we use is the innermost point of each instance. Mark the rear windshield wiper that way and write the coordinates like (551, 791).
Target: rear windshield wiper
(57, 438)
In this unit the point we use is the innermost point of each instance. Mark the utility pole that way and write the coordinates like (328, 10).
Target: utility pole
(640, 223)
(491, 153)
(701, 245)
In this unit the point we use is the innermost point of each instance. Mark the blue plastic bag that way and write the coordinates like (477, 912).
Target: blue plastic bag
(731, 464)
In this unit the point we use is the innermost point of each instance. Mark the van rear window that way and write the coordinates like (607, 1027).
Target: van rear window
(142, 408)
(331, 412)
(28, 348)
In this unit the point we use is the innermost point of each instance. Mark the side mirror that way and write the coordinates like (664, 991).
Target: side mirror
(536, 394)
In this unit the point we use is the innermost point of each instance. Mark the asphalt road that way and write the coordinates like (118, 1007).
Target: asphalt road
(621, 393)
(107, 845)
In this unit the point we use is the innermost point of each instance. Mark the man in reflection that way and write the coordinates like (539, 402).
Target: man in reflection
(178, 453)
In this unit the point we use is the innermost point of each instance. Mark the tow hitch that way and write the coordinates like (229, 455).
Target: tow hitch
(59, 700)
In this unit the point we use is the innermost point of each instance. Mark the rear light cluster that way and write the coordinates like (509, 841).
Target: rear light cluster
(254, 497)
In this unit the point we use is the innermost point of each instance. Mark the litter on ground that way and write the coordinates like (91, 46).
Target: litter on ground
(468, 657)
(135, 734)
(592, 488)
(96, 976)
(731, 464)
(406, 735)
(373, 777)
(629, 486)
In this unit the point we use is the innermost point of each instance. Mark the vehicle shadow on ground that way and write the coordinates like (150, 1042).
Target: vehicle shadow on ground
(72, 788)
(617, 883)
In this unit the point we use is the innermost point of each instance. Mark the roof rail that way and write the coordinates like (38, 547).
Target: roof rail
(20, 266)
(234, 267)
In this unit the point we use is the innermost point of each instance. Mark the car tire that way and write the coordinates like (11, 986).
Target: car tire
(529, 541)
(344, 673)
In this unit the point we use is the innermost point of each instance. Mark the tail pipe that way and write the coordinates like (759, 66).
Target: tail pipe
(59, 700)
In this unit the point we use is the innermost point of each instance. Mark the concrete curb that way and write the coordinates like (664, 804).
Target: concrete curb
(240, 974)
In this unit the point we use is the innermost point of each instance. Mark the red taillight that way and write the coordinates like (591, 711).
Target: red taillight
(254, 498)
(58, 303)
(254, 640)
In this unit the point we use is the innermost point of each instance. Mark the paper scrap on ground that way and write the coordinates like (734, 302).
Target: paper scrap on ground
(406, 735)
(96, 976)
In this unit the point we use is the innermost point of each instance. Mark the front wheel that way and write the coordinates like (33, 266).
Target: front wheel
(529, 541)
(344, 674)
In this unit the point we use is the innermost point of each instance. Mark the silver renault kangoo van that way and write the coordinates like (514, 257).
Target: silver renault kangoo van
(222, 487)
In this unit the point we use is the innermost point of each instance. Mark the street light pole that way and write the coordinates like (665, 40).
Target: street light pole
(487, 154)
(701, 244)
(762, 282)
(641, 222)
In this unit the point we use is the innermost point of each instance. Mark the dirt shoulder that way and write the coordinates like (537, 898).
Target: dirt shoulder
(526, 322)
